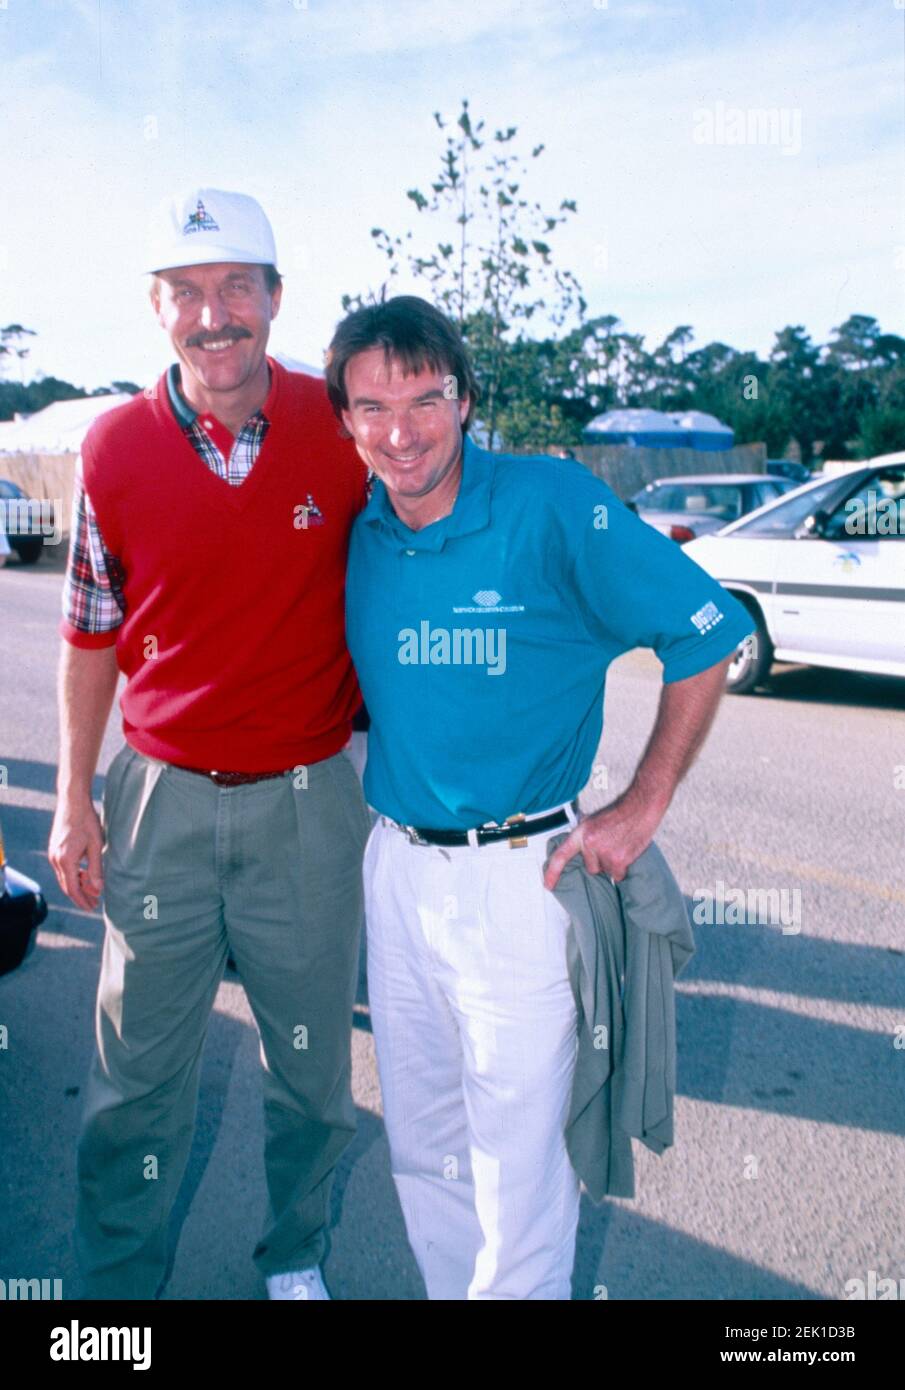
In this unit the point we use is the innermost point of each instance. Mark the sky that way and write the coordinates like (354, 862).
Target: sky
(692, 208)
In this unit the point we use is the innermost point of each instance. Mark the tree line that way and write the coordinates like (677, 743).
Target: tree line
(843, 399)
(20, 397)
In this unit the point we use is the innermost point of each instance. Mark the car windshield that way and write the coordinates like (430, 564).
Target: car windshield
(875, 509)
(785, 518)
(704, 499)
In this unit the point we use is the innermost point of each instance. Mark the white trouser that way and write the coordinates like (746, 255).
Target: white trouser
(476, 1033)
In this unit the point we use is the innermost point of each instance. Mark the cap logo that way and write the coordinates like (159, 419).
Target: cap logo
(200, 221)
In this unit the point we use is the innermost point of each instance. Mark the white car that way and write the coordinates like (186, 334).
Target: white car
(822, 571)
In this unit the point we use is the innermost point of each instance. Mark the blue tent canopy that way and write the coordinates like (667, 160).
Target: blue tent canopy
(689, 429)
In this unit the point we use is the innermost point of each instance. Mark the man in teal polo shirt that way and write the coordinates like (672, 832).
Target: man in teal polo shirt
(486, 597)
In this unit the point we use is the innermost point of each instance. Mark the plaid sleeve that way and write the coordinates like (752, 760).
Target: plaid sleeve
(93, 603)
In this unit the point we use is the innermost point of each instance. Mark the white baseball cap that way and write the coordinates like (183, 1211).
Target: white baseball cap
(203, 225)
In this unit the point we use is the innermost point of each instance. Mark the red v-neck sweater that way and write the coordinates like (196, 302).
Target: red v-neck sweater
(233, 642)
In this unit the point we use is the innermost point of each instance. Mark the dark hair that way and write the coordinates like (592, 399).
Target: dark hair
(411, 332)
(272, 278)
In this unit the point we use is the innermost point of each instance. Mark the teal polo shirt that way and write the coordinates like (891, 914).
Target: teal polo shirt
(482, 641)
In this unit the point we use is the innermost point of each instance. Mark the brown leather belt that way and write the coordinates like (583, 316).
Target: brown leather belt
(235, 779)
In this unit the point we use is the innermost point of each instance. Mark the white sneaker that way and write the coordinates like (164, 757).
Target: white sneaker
(297, 1284)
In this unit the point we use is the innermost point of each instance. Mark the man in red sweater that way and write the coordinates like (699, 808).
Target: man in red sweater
(211, 519)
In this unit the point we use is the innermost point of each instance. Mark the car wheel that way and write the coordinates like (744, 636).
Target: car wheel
(29, 552)
(752, 661)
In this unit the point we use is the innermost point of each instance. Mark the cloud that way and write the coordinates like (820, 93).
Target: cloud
(645, 11)
(88, 11)
(376, 28)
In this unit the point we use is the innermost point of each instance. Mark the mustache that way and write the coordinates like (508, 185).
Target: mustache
(233, 334)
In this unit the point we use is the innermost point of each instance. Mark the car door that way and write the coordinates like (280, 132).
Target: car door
(759, 551)
(841, 593)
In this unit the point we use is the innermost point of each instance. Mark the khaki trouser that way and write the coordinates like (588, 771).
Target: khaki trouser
(270, 872)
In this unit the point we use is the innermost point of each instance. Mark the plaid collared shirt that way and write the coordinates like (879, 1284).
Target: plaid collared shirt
(92, 593)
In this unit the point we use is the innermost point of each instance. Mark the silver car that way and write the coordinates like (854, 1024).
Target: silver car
(697, 504)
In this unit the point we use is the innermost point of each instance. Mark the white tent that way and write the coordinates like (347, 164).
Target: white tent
(58, 428)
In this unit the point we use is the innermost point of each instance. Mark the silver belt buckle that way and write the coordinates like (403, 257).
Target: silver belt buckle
(413, 837)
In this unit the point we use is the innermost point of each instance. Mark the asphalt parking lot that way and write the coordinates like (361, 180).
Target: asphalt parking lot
(787, 1178)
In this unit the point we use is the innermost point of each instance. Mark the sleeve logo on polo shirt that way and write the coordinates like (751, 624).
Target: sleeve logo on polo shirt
(707, 617)
(489, 601)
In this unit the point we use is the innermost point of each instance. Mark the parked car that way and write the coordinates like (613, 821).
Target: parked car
(787, 468)
(822, 571)
(24, 538)
(694, 505)
(22, 910)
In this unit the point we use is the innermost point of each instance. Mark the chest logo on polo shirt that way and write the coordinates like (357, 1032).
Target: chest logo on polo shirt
(307, 514)
(489, 601)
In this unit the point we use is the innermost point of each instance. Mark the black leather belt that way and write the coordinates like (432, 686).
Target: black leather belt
(516, 830)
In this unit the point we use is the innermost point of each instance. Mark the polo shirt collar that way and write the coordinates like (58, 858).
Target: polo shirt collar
(471, 509)
(186, 414)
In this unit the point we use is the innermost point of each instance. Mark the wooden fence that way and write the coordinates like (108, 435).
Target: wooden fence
(627, 469)
(43, 475)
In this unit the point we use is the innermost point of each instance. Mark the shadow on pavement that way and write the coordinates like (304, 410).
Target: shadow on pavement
(820, 685)
(685, 1267)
